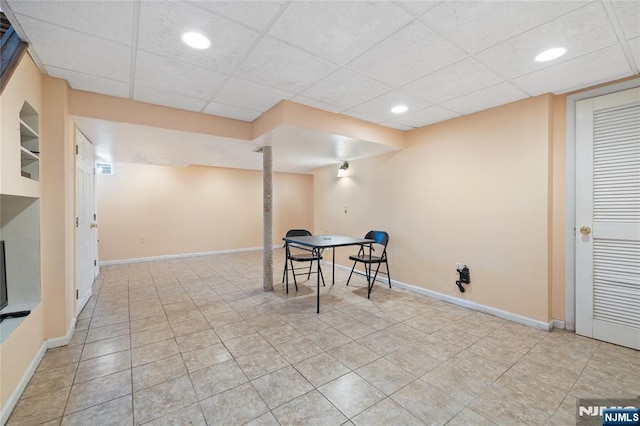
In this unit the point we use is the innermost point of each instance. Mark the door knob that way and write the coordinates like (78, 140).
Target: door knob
(585, 230)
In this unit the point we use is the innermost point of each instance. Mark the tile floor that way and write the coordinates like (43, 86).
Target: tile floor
(196, 341)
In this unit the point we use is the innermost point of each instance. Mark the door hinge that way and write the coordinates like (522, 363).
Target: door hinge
(95, 262)
(77, 294)
(76, 149)
(76, 221)
(94, 216)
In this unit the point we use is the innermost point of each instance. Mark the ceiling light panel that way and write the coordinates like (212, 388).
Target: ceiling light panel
(426, 116)
(379, 109)
(338, 31)
(412, 52)
(582, 31)
(550, 54)
(195, 40)
(162, 23)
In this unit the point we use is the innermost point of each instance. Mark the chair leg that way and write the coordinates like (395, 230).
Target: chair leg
(285, 269)
(354, 267)
(309, 273)
(388, 273)
(286, 276)
(321, 274)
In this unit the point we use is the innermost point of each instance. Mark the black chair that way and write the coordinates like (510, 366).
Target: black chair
(381, 239)
(298, 253)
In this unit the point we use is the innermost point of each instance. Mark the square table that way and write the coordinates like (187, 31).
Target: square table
(329, 241)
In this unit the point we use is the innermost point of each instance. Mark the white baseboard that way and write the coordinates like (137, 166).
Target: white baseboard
(558, 325)
(64, 340)
(530, 322)
(13, 399)
(181, 256)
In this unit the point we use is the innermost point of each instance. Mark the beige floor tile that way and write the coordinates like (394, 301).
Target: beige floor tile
(280, 334)
(205, 357)
(351, 394)
(142, 313)
(385, 376)
(190, 327)
(93, 392)
(59, 357)
(197, 340)
(153, 352)
(498, 350)
(309, 409)
(154, 335)
(469, 417)
(156, 372)
(118, 411)
(233, 330)
(353, 355)
(103, 321)
(428, 404)
(281, 386)
(106, 347)
(413, 360)
(246, 344)
(355, 329)
(506, 411)
(235, 406)
(386, 412)
(266, 419)
(78, 338)
(47, 380)
(191, 415)
(39, 409)
(328, 338)
(217, 378)
(107, 332)
(165, 398)
(257, 364)
(321, 369)
(298, 349)
(530, 392)
(103, 366)
(148, 323)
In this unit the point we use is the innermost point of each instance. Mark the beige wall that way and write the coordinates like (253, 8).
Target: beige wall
(472, 190)
(193, 209)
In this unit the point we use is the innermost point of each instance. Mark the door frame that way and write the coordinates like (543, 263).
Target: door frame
(570, 223)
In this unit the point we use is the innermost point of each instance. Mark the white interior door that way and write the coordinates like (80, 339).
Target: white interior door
(608, 218)
(86, 224)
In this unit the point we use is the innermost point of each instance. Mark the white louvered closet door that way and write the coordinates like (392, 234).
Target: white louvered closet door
(608, 218)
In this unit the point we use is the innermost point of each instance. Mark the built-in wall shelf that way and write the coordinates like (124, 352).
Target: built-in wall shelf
(29, 143)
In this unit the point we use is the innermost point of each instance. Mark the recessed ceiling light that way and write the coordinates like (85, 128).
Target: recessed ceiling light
(550, 54)
(399, 109)
(196, 40)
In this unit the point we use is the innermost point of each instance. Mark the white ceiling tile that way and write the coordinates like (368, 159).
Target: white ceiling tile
(582, 31)
(163, 22)
(160, 97)
(628, 13)
(426, 116)
(112, 20)
(379, 109)
(90, 83)
(635, 50)
(338, 30)
(276, 64)
(69, 49)
(317, 104)
(499, 94)
(346, 88)
(255, 14)
(418, 7)
(412, 52)
(396, 125)
(177, 77)
(250, 95)
(477, 25)
(452, 81)
(580, 72)
(231, 111)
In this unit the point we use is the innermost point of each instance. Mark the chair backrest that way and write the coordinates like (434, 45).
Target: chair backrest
(298, 233)
(380, 237)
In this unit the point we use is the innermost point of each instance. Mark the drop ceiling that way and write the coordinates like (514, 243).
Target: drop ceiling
(441, 59)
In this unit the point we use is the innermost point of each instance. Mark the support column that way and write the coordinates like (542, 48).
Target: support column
(267, 219)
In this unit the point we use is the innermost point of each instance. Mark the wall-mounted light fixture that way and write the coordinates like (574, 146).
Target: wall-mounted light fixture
(342, 171)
